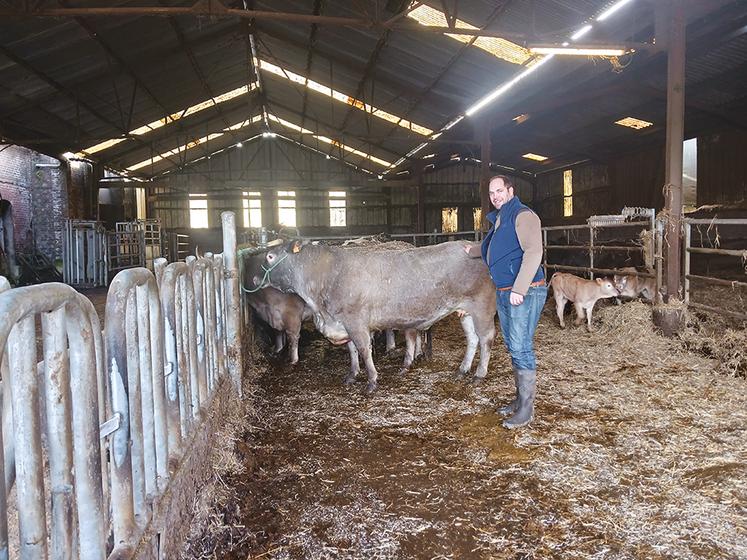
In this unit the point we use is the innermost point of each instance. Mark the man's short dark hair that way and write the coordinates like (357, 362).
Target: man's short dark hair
(507, 181)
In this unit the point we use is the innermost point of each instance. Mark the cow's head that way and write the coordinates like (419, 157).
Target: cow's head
(278, 267)
(608, 287)
(620, 282)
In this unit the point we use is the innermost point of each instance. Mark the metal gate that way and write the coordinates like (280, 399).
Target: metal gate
(85, 254)
(705, 237)
(600, 236)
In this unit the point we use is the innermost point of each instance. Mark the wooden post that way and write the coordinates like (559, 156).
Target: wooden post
(418, 176)
(675, 138)
(670, 318)
(485, 150)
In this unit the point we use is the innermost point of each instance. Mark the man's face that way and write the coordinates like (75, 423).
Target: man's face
(499, 194)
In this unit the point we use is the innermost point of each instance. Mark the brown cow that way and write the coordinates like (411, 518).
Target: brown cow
(632, 286)
(583, 293)
(284, 313)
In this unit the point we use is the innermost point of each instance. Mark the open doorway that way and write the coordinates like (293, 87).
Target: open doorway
(8, 266)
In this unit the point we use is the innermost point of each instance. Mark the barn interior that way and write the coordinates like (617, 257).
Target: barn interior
(129, 129)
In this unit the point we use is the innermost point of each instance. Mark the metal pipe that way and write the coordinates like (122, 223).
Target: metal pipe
(728, 252)
(688, 233)
(146, 388)
(87, 452)
(4, 487)
(717, 281)
(598, 247)
(718, 311)
(32, 526)
(717, 221)
(18, 307)
(231, 279)
(598, 270)
(198, 283)
(56, 381)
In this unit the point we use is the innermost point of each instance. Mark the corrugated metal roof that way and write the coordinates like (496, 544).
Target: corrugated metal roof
(68, 83)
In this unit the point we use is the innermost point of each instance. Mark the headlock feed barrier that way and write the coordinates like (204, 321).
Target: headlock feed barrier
(105, 440)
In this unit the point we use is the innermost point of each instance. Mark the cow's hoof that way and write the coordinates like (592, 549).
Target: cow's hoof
(349, 380)
(403, 370)
(370, 388)
(460, 375)
(476, 380)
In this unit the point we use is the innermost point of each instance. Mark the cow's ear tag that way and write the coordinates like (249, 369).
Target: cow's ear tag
(296, 247)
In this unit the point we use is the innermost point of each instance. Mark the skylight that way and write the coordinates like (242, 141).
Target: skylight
(329, 141)
(343, 98)
(535, 157)
(632, 122)
(202, 105)
(189, 145)
(500, 48)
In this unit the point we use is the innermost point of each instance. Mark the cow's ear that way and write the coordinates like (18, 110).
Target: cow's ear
(599, 281)
(296, 246)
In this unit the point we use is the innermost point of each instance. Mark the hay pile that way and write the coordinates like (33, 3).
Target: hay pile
(210, 524)
(719, 339)
(637, 451)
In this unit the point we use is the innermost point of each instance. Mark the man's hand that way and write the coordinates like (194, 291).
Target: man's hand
(516, 299)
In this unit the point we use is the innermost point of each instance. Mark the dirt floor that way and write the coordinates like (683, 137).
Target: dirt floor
(637, 451)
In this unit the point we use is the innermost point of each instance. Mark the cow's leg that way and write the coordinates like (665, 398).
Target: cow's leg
(560, 308)
(355, 366)
(418, 344)
(588, 317)
(429, 344)
(485, 328)
(579, 313)
(411, 336)
(293, 337)
(472, 340)
(390, 343)
(362, 339)
(279, 341)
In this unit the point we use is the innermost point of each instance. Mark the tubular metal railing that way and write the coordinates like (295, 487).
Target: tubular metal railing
(110, 412)
(711, 280)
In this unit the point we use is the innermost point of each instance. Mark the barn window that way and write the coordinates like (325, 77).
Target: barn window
(476, 218)
(449, 221)
(252, 206)
(568, 192)
(198, 211)
(337, 209)
(287, 208)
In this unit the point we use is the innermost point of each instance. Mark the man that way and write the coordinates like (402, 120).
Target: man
(512, 249)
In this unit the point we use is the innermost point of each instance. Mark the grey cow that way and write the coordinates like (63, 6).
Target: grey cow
(352, 293)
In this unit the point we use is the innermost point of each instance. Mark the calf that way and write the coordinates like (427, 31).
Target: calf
(353, 292)
(583, 293)
(632, 286)
(284, 313)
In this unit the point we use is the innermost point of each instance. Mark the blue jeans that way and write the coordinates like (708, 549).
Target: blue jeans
(518, 323)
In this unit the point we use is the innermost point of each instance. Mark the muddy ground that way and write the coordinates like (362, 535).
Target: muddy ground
(637, 451)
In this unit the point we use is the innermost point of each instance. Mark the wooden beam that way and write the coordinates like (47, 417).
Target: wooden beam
(675, 137)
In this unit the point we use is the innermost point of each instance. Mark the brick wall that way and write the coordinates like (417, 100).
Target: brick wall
(36, 187)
